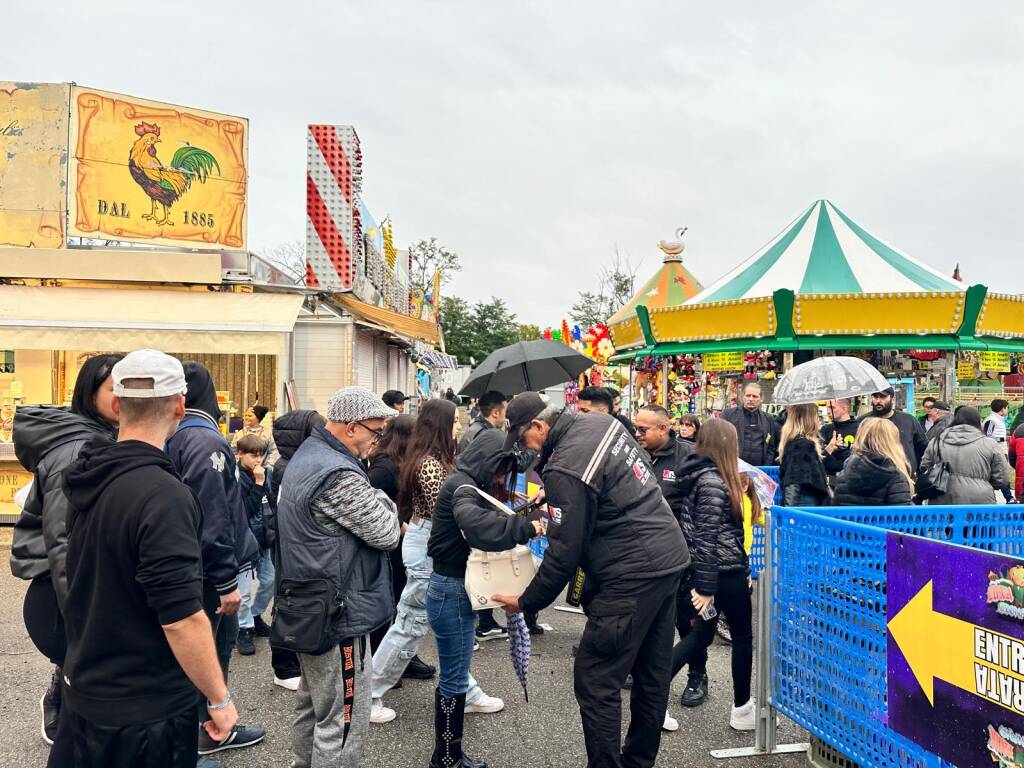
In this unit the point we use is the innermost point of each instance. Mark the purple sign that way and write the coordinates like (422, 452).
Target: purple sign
(956, 651)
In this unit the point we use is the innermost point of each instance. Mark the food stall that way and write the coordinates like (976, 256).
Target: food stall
(824, 285)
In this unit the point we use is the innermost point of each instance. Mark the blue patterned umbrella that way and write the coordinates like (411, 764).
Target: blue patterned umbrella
(519, 647)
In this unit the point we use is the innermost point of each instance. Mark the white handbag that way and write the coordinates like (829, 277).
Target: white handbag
(497, 573)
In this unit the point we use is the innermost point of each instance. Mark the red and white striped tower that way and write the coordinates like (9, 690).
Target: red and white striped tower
(334, 174)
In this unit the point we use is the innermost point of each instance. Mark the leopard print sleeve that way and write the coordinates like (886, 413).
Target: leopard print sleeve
(428, 486)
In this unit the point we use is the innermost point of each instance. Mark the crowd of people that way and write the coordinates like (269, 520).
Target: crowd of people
(155, 547)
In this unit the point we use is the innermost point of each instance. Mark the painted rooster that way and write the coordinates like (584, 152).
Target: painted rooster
(164, 184)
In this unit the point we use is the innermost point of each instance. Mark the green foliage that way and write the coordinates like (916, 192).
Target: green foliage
(429, 257)
(472, 332)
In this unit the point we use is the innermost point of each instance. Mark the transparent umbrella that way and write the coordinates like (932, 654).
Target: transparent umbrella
(828, 378)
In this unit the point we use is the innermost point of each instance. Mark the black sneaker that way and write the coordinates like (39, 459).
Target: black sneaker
(496, 632)
(535, 629)
(240, 736)
(245, 643)
(260, 627)
(417, 669)
(696, 691)
(50, 707)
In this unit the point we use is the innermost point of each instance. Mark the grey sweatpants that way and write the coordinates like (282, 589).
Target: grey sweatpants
(318, 733)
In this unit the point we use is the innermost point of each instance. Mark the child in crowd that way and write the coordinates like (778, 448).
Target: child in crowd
(251, 450)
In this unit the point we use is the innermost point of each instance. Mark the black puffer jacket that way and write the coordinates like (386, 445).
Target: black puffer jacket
(462, 519)
(290, 431)
(871, 480)
(802, 472)
(47, 441)
(713, 534)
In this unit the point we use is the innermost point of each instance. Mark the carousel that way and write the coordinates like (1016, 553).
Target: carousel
(822, 286)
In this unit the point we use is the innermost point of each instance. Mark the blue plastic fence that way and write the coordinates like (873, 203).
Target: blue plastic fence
(829, 615)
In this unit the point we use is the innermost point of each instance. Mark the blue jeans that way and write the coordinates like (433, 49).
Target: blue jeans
(253, 606)
(454, 625)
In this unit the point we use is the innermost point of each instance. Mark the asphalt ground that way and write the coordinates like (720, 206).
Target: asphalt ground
(544, 732)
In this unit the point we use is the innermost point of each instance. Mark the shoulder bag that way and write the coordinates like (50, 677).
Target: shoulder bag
(497, 573)
(934, 482)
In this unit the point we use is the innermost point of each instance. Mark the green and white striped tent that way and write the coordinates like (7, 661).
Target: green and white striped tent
(824, 251)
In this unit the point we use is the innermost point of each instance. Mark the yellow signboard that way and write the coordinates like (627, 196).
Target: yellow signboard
(12, 481)
(994, 361)
(723, 361)
(151, 172)
(33, 164)
(965, 371)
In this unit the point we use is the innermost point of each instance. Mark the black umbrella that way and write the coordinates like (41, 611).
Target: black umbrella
(528, 366)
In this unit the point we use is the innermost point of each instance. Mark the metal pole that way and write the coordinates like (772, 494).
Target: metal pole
(766, 718)
(664, 382)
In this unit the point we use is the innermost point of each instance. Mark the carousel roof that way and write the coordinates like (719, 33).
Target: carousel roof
(671, 286)
(823, 251)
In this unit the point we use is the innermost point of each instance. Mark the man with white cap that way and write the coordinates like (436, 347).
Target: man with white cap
(139, 642)
(334, 530)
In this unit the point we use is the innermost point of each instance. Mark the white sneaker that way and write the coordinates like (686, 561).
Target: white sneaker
(291, 683)
(743, 718)
(486, 705)
(670, 724)
(381, 714)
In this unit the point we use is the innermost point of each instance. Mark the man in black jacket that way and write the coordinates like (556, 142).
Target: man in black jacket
(666, 451)
(206, 464)
(837, 437)
(492, 416)
(139, 642)
(912, 436)
(608, 517)
(758, 432)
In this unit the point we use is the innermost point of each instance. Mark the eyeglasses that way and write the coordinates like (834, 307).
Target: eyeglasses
(378, 434)
(644, 430)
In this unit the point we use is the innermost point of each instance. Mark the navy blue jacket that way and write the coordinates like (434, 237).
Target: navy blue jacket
(206, 463)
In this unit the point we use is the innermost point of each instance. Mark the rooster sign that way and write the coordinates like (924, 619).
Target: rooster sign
(165, 184)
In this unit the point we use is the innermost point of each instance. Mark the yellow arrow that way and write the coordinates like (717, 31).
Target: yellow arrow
(980, 661)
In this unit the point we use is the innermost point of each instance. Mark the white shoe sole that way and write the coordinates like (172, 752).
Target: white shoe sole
(287, 684)
(670, 725)
(496, 636)
(42, 721)
(381, 719)
(484, 709)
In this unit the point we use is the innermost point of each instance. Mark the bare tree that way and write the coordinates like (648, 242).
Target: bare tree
(289, 257)
(616, 285)
(428, 257)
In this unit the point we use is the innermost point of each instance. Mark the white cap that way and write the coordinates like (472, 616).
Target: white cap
(164, 371)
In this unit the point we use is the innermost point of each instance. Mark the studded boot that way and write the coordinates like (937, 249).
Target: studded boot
(449, 719)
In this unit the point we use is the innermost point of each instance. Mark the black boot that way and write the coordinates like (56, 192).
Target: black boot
(418, 669)
(449, 718)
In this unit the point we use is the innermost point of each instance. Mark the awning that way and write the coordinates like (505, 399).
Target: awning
(173, 321)
(386, 319)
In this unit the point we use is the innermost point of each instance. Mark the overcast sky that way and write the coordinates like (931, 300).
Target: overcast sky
(533, 137)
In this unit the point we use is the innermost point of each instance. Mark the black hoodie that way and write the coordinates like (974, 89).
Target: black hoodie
(463, 519)
(133, 565)
(47, 441)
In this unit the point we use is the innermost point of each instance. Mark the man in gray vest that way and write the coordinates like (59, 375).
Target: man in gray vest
(608, 516)
(333, 526)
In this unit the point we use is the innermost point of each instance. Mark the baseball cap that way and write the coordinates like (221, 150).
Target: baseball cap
(166, 373)
(356, 404)
(523, 409)
(887, 391)
(941, 405)
(394, 396)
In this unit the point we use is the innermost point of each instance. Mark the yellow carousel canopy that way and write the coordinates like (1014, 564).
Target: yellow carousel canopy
(671, 286)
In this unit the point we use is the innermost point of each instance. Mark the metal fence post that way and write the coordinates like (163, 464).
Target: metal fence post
(765, 716)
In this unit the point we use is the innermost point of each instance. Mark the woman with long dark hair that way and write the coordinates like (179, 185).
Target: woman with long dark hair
(712, 520)
(385, 467)
(464, 518)
(47, 441)
(429, 458)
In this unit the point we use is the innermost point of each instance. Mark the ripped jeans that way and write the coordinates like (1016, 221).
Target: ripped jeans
(402, 640)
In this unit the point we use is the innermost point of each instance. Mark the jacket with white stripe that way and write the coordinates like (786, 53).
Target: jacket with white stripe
(612, 519)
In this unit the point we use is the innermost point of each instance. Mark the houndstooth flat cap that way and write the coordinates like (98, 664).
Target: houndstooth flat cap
(356, 404)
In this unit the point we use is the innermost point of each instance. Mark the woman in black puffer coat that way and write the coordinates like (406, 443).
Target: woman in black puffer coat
(712, 521)
(802, 469)
(877, 473)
